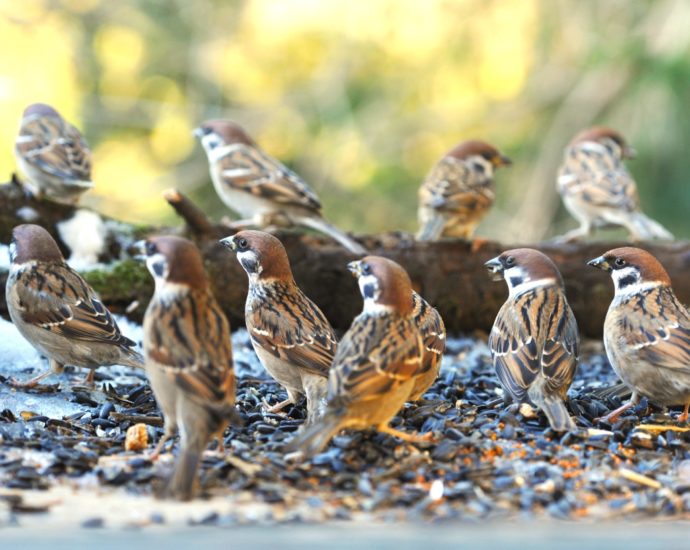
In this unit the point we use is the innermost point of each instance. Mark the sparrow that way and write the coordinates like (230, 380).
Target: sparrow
(291, 336)
(534, 341)
(459, 191)
(188, 356)
(52, 155)
(598, 190)
(646, 331)
(259, 187)
(430, 325)
(58, 312)
(377, 363)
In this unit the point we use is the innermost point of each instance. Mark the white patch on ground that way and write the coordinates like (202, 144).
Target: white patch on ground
(4, 256)
(85, 234)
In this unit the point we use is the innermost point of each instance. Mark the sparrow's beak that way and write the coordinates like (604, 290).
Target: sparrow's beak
(495, 269)
(139, 249)
(355, 268)
(629, 152)
(229, 242)
(600, 263)
(199, 132)
(501, 160)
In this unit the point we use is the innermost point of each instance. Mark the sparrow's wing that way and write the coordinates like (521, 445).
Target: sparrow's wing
(378, 352)
(55, 147)
(189, 337)
(248, 169)
(60, 301)
(430, 325)
(658, 327)
(540, 315)
(290, 326)
(455, 187)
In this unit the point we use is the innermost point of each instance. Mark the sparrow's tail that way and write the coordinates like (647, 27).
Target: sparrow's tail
(314, 438)
(181, 484)
(322, 226)
(131, 358)
(431, 229)
(645, 228)
(553, 406)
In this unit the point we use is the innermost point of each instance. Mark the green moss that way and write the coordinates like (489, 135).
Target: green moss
(121, 281)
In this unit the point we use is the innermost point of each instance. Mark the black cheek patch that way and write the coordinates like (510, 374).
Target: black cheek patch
(249, 265)
(627, 281)
(515, 281)
(369, 290)
(159, 269)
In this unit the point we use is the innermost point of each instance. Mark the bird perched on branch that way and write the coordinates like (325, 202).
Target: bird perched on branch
(597, 189)
(433, 332)
(459, 191)
(58, 312)
(534, 341)
(646, 331)
(257, 186)
(292, 337)
(52, 155)
(188, 356)
(378, 360)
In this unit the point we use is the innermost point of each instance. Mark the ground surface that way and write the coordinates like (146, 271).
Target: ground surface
(64, 445)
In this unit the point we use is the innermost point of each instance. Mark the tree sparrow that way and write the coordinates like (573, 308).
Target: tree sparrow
(534, 341)
(433, 332)
(58, 312)
(459, 191)
(597, 189)
(259, 187)
(377, 362)
(647, 330)
(188, 355)
(52, 155)
(292, 337)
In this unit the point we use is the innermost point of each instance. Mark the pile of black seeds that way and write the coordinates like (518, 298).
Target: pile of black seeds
(490, 461)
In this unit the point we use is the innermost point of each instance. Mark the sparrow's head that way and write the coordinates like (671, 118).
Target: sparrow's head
(524, 269)
(631, 268)
(605, 137)
(482, 156)
(173, 259)
(40, 110)
(220, 132)
(33, 243)
(383, 283)
(261, 255)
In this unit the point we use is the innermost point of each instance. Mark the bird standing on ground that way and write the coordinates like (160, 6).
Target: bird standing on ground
(188, 356)
(534, 341)
(597, 189)
(646, 331)
(58, 312)
(52, 155)
(377, 362)
(433, 332)
(459, 191)
(259, 187)
(292, 337)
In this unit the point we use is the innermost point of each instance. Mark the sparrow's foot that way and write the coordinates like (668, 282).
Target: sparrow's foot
(409, 437)
(278, 407)
(684, 415)
(159, 448)
(89, 379)
(613, 415)
(28, 384)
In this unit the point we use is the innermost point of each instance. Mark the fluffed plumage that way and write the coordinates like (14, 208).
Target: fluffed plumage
(459, 191)
(534, 341)
(260, 188)
(598, 190)
(53, 155)
(433, 332)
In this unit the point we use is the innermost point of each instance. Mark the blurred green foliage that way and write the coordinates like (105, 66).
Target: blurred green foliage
(360, 98)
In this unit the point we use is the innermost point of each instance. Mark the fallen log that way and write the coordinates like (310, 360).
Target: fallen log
(449, 274)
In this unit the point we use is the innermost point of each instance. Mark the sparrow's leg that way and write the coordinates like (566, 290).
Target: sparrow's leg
(159, 447)
(29, 384)
(315, 388)
(410, 438)
(90, 378)
(684, 416)
(277, 407)
(613, 415)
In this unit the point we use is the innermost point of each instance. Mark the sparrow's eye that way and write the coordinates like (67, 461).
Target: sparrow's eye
(366, 269)
(242, 244)
(150, 248)
(620, 262)
(510, 261)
